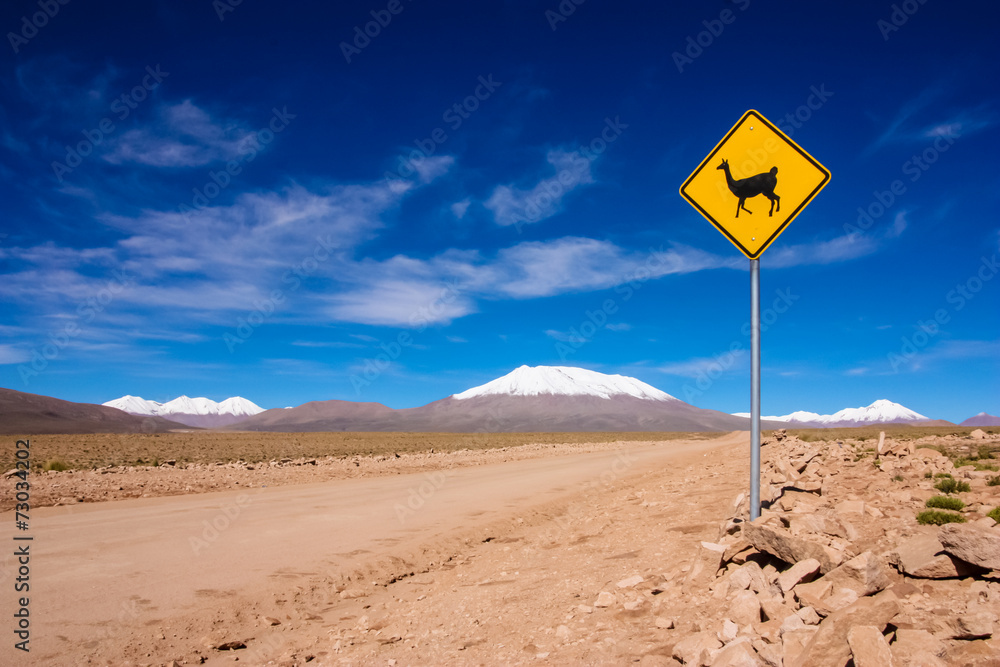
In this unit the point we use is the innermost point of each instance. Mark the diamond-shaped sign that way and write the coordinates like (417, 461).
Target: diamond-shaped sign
(753, 183)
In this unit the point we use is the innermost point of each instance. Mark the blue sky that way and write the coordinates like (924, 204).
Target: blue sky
(262, 200)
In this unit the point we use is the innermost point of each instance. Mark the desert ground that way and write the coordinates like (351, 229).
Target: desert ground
(521, 549)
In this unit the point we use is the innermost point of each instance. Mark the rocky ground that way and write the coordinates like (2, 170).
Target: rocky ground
(651, 567)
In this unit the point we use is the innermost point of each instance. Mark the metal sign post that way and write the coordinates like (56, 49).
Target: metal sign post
(754, 389)
(755, 159)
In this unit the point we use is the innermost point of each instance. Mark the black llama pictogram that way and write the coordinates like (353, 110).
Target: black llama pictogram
(761, 184)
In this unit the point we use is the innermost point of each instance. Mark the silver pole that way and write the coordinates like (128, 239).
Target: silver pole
(754, 389)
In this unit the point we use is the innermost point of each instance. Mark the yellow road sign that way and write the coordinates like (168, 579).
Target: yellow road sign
(753, 183)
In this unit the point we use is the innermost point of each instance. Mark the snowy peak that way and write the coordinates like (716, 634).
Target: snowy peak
(565, 381)
(212, 413)
(881, 411)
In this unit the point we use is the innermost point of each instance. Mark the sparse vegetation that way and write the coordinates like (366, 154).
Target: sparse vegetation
(985, 452)
(111, 449)
(897, 478)
(943, 475)
(995, 514)
(945, 503)
(993, 481)
(938, 518)
(928, 475)
(950, 485)
(55, 464)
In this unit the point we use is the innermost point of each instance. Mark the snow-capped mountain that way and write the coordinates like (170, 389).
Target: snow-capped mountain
(541, 398)
(202, 412)
(564, 381)
(881, 411)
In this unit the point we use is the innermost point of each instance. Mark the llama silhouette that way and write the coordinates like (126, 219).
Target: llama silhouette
(761, 184)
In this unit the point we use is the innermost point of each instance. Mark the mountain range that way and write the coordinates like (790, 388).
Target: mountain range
(540, 398)
(880, 412)
(200, 412)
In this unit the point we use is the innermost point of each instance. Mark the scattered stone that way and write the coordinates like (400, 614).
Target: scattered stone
(829, 646)
(729, 631)
(869, 647)
(230, 646)
(863, 574)
(697, 649)
(789, 548)
(604, 599)
(969, 626)
(745, 608)
(630, 582)
(270, 620)
(664, 623)
(972, 544)
(923, 556)
(804, 570)
(739, 653)
(978, 434)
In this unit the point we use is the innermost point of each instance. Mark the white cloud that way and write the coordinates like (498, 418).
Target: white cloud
(459, 208)
(511, 205)
(10, 354)
(726, 362)
(184, 136)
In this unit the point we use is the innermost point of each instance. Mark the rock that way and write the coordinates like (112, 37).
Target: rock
(630, 582)
(829, 645)
(968, 626)
(923, 556)
(562, 632)
(917, 647)
(794, 643)
(972, 544)
(632, 605)
(697, 649)
(604, 599)
(864, 574)
(851, 507)
(804, 570)
(664, 623)
(770, 654)
(808, 616)
(230, 646)
(728, 632)
(978, 434)
(351, 593)
(789, 548)
(584, 609)
(270, 620)
(738, 654)
(869, 647)
(928, 454)
(791, 623)
(745, 608)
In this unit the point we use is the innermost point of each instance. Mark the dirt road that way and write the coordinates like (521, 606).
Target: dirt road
(150, 580)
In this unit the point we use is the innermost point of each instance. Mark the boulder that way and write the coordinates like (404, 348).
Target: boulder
(968, 626)
(869, 647)
(789, 548)
(745, 608)
(923, 556)
(978, 434)
(829, 646)
(864, 574)
(804, 570)
(698, 649)
(739, 653)
(973, 544)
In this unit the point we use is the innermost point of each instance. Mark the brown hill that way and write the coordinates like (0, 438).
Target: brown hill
(499, 414)
(27, 414)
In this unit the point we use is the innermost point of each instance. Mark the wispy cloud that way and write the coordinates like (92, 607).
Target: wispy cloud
(511, 205)
(838, 249)
(185, 135)
(727, 362)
